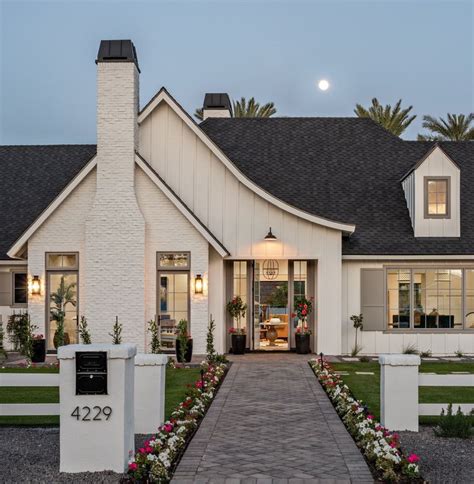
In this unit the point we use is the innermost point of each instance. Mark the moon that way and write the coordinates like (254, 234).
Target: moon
(323, 84)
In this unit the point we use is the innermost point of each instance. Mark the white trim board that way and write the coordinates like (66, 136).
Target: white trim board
(435, 408)
(163, 95)
(21, 409)
(70, 187)
(29, 379)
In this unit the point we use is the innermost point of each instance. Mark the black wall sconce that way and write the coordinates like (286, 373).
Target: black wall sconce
(270, 236)
(198, 284)
(35, 286)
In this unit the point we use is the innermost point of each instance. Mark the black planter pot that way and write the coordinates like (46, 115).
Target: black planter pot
(302, 344)
(189, 351)
(238, 344)
(39, 351)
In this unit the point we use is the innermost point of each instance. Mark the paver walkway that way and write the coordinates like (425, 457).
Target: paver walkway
(271, 422)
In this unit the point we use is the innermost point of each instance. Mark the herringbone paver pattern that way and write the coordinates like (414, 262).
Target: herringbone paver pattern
(271, 422)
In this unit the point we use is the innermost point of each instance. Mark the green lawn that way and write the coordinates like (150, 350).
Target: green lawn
(367, 387)
(176, 386)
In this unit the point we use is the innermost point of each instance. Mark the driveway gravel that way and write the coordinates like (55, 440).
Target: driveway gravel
(443, 461)
(31, 455)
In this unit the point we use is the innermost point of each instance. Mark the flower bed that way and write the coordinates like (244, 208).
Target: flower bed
(157, 459)
(380, 446)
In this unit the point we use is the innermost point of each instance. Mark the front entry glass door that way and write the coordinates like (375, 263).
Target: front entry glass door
(271, 321)
(173, 304)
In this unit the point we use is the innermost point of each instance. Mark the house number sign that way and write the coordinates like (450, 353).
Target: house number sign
(92, 414)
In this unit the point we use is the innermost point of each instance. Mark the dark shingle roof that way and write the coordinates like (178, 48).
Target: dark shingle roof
(347, 170)
(30, 179)
(343, 169)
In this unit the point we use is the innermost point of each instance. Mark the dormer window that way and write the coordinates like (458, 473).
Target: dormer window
(437, 191)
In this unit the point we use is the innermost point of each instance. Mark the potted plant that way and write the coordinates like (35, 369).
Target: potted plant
(303, 308)
(236, 308)
(38, 354)
(184, 343)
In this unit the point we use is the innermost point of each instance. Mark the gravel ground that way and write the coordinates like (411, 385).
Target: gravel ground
(443, 461)
(32, 455)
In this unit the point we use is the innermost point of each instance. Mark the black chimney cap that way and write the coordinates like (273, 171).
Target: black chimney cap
(117, 51)
(217, 101)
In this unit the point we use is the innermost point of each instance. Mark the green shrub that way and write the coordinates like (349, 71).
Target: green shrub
(116, 332)
(154, 330)
(454, 425)
(410, 350)
(20, 332)
(364, 359)
(84, 332)
(426, 354)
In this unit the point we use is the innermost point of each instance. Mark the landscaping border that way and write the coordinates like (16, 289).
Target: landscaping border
(380, 446)
(157, 460)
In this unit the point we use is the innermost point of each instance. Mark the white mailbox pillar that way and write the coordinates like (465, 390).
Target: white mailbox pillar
(150, 379)
(399, 391)
(96, 407)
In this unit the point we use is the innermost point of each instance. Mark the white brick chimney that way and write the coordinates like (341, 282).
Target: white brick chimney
(115, 229)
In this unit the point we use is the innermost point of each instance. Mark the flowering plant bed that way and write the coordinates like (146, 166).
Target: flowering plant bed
(380, 446)
(159, 456)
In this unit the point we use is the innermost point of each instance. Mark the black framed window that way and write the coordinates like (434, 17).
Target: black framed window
(20, 288)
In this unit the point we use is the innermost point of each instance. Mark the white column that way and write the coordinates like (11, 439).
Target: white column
(150, 379)
(97, 431)
(399, 391)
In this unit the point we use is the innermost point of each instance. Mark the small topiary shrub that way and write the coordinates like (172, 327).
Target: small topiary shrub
(454, 424)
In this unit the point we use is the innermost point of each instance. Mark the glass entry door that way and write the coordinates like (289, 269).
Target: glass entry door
(173, 304)
(271, 315)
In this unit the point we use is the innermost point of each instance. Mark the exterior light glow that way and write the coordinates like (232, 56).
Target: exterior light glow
(269, 237)
(198, 284)
(35, 286)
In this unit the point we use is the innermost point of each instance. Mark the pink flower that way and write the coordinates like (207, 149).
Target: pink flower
(132, 466)
(370, 417)
(141, 450)
(304, 312)
(167, 428)
(413, 458)
(148, 449)
(393, 444)
(199, 384)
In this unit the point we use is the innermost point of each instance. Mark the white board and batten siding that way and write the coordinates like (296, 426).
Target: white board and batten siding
(379, 340)
(238, 217)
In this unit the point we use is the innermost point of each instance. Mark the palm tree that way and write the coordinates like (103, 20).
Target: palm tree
(244, 109)
(456, 128)
(395, 120)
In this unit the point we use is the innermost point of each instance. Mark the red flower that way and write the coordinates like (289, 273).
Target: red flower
(132, 466)
(413, 458)
(304, 312)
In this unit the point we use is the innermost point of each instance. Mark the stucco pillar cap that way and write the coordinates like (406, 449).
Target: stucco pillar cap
(400, 360)
(123, 351)
(150, 359)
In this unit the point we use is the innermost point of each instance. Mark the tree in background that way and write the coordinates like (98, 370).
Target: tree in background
(116, 332)
(154, 330)
(396, 120)
(456, 128)
(210, 350)
(84, 332)
(244, 109)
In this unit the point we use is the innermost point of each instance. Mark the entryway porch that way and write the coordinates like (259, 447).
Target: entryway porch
(270, 289)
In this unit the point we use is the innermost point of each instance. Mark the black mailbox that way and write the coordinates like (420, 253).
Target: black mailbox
(91, 373)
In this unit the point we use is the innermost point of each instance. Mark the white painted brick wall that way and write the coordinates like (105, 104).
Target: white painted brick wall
(64, 231)
(168, 230)
(115, 228)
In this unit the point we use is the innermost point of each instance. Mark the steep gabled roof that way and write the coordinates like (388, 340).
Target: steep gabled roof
(31, 177)
(346, 169)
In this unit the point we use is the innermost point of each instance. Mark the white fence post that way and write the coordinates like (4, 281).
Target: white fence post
(150, 379)
(96, 407)
(399, 391)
